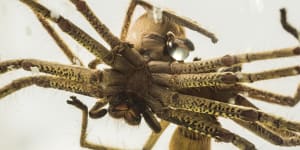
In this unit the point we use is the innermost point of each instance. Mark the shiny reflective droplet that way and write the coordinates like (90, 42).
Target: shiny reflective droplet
(179, 53)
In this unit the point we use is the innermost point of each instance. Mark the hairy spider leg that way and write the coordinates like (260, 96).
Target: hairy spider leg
(225, 61)
(195, 123)
(268, 96)
(64, 47)
(219, 79)
(271, 134)
(75, 73)
(93, 64)
(127, 21)
(177, 101)
(52, 82)
(277, 136)
(59, 41)
(69, 78)
(101, 29)
(198, 123)
(124, 31)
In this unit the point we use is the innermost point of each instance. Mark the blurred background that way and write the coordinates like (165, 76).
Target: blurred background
(39, 119)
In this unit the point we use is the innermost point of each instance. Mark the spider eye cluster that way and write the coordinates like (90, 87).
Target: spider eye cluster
(178, 49)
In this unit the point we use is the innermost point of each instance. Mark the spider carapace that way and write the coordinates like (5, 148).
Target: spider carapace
(148, 79)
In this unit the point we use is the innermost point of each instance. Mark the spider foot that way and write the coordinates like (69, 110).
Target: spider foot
(77, 103)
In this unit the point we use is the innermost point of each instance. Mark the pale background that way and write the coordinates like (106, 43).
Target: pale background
(40, 119)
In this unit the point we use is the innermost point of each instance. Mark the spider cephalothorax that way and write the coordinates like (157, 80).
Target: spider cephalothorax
(124, 94)
(146, 80)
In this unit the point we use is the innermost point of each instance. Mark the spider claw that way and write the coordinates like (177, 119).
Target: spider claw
(77, 103)
(70, 102)
(74, 98)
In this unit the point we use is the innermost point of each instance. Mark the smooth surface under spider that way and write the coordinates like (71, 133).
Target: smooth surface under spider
(276, 45)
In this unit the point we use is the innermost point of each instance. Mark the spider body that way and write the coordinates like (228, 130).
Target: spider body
(145, 80)
(149, 38)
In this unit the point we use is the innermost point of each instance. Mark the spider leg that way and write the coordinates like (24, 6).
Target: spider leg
(152, 139)
(184, 21)
(270, 133)
(220, 79)
(124, 31)
(269, 74)
(225, 61)
(101, 29)
(193, 121)
(75, 73)
(52, 82)
(83, 135)
(177, 101)
(127, 20)
(116, 44)
(195, 80)
(59, 41)
(116, 61)
(268, 96)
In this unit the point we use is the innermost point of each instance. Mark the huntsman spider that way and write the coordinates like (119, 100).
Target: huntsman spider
(148, 79)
